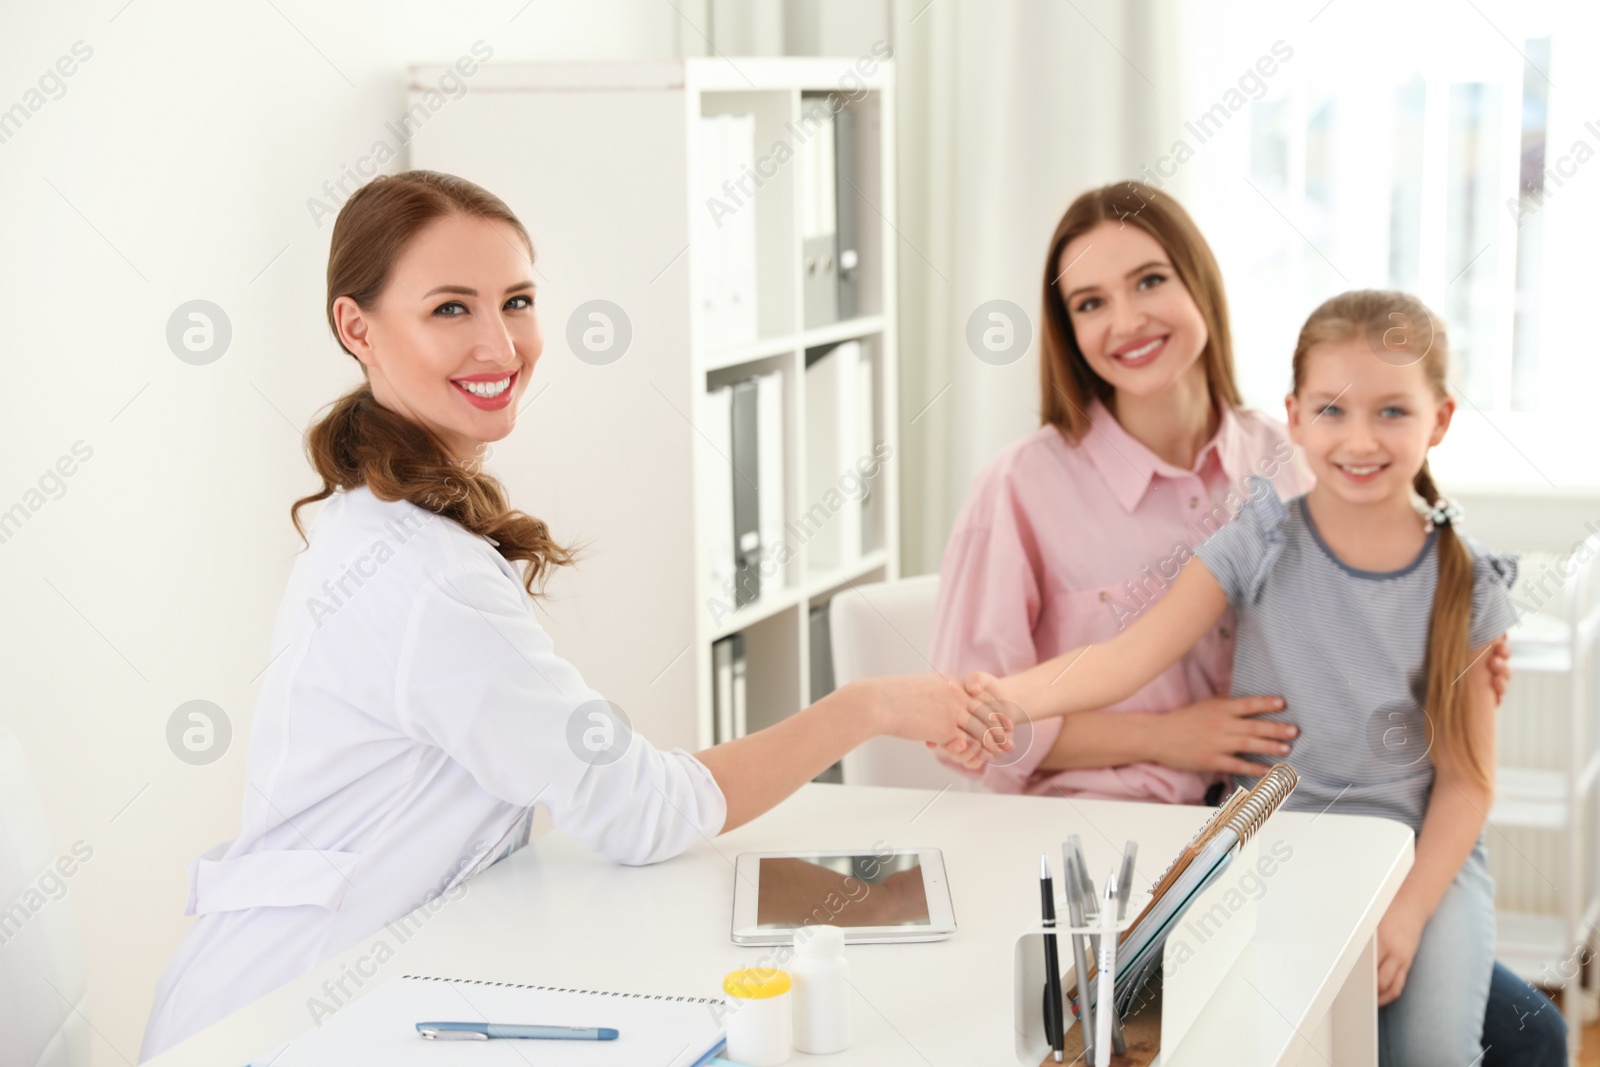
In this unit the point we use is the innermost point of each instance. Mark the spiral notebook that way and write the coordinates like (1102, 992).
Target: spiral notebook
(1201, 862)
(663, 1031)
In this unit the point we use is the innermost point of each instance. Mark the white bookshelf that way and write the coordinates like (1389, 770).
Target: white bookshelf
(1542, 845)
(599, 161)
(1548, 897)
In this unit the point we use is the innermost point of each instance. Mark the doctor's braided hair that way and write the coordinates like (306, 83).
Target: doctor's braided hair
(361, 442)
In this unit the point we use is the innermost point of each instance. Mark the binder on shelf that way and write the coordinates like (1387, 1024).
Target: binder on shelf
(847, 196)
(820, 670)
(723, 259)
(743, 477)
(705, 254)
(822, 682)
(866, 447)
(717, 478)
(819, 223)
(746, 494)
(741, 706)
(769, 461)
(832, 516)
(722, 689)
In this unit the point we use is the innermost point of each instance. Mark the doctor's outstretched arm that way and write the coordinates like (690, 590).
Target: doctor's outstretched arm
(757, 771)
(480, 679)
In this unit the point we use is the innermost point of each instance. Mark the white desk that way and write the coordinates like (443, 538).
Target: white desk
(556, 914)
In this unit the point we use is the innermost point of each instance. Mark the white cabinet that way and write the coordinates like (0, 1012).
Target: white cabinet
(1543, 820)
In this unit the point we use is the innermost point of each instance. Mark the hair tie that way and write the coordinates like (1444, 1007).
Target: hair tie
(1445, 512)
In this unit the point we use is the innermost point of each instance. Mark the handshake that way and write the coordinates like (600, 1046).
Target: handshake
(981, 725)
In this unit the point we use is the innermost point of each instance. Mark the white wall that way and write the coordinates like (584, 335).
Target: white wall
(177, 165)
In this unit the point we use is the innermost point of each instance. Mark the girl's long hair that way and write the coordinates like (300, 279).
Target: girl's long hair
(361, 442)
(1399, 328)
(1067, 383)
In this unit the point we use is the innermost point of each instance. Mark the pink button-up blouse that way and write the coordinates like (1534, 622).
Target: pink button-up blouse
(1063, 545)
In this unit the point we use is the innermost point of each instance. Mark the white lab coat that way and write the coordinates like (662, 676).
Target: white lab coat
(414, 714)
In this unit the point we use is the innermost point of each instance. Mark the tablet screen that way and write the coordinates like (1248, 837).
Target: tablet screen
(841, 890)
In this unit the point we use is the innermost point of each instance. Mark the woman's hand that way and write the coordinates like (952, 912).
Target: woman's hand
(1500, 668)
(1208, 736)
(1399, 934)
(934, 709)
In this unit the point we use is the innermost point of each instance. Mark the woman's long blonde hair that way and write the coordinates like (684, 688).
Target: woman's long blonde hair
(361, 442)
(1400, 328)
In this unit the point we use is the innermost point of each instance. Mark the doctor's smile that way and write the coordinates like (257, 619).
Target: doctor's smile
(488, 391)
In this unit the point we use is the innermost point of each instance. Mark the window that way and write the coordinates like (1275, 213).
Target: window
(1440, 147)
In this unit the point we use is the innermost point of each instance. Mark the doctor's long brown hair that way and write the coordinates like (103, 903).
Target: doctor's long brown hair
(1408, 332)
(359, 441)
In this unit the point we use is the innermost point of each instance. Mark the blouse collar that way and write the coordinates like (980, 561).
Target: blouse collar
(1128, 466)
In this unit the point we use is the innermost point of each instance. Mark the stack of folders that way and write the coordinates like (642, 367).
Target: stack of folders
(830, 215)
(723, 259)
(1200, 864)
(728, 702)
(743, 476)
(839, 521)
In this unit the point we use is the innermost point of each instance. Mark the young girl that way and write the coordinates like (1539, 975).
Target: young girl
(1373, 623)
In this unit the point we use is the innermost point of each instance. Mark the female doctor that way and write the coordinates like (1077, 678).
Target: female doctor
(418, 711)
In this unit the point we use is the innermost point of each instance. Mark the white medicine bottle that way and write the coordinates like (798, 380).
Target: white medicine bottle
(821, 977)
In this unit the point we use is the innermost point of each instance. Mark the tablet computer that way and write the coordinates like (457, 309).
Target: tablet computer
(874, 894)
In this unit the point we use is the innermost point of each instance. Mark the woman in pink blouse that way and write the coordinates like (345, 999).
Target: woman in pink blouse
(1069, 533)
(1073, 531)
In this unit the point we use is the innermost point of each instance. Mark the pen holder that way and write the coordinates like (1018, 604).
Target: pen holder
(1208, 938)
(1028, 982)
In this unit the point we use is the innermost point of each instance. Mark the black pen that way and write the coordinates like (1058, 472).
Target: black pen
(1054, 1015)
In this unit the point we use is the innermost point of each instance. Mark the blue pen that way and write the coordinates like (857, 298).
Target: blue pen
(485, 1031)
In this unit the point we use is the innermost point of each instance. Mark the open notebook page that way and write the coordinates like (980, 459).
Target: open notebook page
(382, 1027)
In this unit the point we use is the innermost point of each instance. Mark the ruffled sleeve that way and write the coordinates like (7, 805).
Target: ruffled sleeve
(1242, 553)
(1493, 575)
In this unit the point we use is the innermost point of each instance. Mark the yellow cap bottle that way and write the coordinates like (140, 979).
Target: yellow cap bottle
(760, 1016)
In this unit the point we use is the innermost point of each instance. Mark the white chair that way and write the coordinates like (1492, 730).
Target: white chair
(886, 628)
(43, 988)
